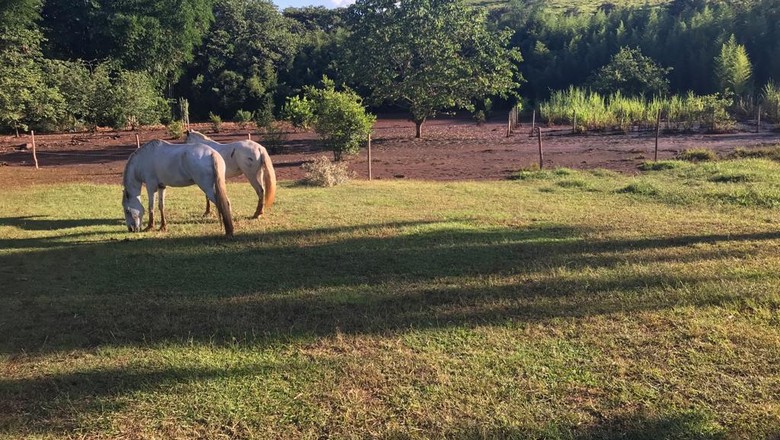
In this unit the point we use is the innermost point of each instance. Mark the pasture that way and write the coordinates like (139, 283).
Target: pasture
(564, 304)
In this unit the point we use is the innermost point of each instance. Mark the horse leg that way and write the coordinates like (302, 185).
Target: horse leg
(253, 179)
(208, 208)
(150, 191)
(161, 202)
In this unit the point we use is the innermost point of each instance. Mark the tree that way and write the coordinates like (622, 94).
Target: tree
(428, 55)
(237, 65)
(157, 37)
(24, 96)
(732, 68)
(337, 116)
(632, 74)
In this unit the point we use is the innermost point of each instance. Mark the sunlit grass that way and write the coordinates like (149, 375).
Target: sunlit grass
(564, 304)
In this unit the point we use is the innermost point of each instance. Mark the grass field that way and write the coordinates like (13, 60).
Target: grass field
(562, 305)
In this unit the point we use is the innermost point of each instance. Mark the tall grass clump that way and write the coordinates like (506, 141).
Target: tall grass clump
(697, 155)
(770, 101)
(598, 112)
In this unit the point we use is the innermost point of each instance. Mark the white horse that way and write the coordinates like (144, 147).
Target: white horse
(159, 164)
(247, 157)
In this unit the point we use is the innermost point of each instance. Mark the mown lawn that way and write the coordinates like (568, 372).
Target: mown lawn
(562, 304)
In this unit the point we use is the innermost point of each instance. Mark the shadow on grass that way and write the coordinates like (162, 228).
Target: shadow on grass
(42, 223)
(689, 425)
(290, 285)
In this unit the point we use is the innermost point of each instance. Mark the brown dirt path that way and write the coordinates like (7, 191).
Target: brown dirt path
(452, 149)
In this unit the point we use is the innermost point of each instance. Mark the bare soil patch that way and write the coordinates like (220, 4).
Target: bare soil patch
(453, 148)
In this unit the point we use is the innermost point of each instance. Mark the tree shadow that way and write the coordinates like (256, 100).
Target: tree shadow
(285, 286)
(42, 223)
(293, 284)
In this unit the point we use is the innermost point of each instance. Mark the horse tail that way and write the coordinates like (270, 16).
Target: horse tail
(220, 193)
(269, 179)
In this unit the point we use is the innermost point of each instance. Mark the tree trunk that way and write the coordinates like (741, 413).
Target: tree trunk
(418, 128)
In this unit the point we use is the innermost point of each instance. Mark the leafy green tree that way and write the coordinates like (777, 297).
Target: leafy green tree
(732, 68)
(25, 98)
(339, 117)
(157, 37)
(428, 55)
(237, 66)
(632, 74)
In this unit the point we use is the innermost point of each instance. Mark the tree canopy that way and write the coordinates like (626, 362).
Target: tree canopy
(632, 74)
(428, 55)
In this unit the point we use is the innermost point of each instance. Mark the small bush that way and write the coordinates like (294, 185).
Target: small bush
(216, 122)
(175, 129)
(243, 118)
(660, 165)
(697, 155)
(323, 172)
(479, 117)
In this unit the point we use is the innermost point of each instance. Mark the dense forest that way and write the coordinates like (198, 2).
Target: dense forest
(72, 65)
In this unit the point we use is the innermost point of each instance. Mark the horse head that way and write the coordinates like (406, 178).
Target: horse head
(134, 211)
(194, 136)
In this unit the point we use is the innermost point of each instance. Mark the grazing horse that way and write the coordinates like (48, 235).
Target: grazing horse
(247, 157)
(159, 164)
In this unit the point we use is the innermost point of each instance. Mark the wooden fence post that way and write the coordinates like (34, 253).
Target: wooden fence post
(541, 155)
(249, 135)
(509, 124)
(35, 156)
(758, 121)
(657, 133)
(533, 122)
(137, 142)
(370, 177)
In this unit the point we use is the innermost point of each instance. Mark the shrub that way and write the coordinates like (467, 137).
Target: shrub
(697, 155)
(339, 118)
(242, 118)
(175, 129)
(216, 122)
(323, 172)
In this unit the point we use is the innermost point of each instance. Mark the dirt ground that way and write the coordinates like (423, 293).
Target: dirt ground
(452, 148)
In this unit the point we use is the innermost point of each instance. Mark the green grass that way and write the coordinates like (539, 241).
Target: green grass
(556, 306)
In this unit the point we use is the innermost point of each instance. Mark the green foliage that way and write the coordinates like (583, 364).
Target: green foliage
(216, 122)
(733, 68)
(238, 64)
(299, 110)
(243, 117)
(770, 101)
(25, 97)
(632, 74)
(339, 118)
(428, 55)
(175, 129)
(772, 153)
(697, 155)
(599, 112)
(322, 172)
(157, 37)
